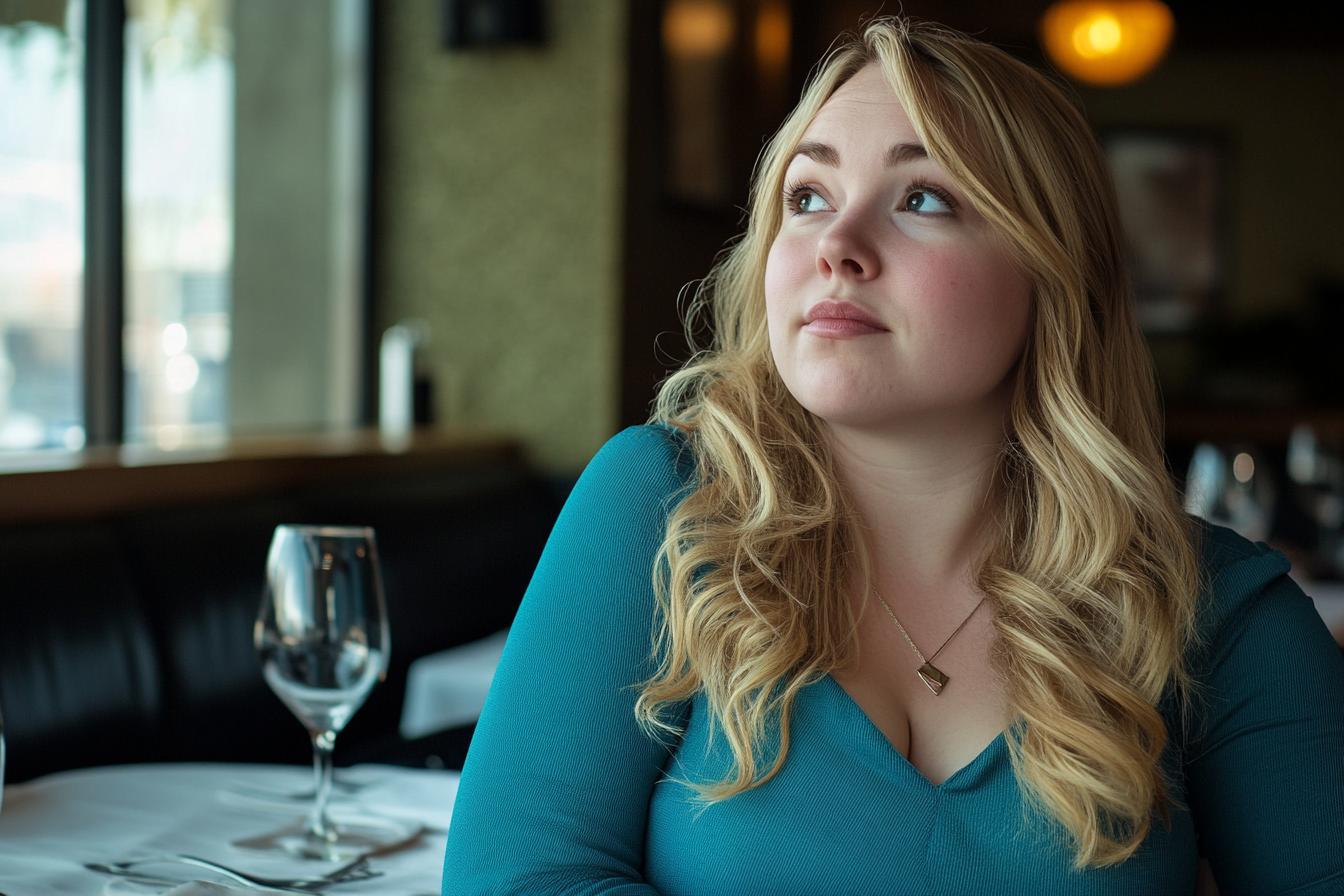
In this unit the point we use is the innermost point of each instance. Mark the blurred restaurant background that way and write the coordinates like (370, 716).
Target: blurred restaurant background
(251, 246)
(294, 178)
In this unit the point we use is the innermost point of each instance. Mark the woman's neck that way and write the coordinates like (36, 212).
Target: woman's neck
(922, 494)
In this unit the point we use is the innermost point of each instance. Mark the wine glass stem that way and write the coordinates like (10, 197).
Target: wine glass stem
(319, 825)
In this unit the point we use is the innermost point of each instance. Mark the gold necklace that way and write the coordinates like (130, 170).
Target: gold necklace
(931, 675)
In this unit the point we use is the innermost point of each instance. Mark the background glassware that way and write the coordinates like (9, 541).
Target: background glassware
(1317, 472)
(1231, 487)
(323, 641)
(2, 760)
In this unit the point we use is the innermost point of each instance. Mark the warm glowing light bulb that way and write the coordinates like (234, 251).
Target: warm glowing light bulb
(1097, 37)
(697, 27)
(772, 36)
(1107, 42)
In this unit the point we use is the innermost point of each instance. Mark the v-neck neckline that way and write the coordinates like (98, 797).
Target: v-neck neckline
(952, 781)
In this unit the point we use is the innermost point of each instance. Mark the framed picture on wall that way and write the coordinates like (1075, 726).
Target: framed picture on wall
(1173, 203)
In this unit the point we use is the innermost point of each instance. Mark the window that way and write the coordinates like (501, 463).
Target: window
(182, 219)
(41, 227)
(178, 213)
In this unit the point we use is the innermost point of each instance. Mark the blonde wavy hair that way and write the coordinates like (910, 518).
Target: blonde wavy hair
(1092, 571)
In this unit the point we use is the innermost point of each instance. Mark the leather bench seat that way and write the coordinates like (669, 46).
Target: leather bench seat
(130, 638)
(77, 659)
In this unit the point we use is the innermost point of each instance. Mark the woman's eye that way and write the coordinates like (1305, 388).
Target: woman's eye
(926, 201)
(802, 199)
(811, 202)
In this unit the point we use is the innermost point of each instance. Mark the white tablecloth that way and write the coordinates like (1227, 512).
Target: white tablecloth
(51, 826)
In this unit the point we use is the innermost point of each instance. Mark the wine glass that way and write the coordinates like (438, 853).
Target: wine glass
(323, 642)
(1231, 486)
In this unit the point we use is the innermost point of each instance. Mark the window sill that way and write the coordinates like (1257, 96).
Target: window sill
(90, 484)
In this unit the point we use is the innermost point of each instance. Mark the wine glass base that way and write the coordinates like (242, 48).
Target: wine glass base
(345, 784)
(351, 840)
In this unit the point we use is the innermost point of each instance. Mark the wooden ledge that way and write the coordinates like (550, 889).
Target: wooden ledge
(90, 484)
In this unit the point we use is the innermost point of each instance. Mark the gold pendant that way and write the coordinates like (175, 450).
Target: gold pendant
(933, 677)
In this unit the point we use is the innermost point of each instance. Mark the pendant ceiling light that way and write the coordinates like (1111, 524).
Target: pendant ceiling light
(1107, 42)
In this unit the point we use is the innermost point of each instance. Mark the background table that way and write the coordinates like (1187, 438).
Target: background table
(51, 826)
(1329, 600)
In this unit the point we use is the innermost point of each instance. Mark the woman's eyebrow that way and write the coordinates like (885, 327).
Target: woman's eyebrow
(821, 153)
(825, 154)
(905, 152)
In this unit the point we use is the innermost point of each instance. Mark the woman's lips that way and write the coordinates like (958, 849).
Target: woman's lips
(840, 320)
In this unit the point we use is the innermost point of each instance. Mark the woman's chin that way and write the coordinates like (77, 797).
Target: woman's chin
(847, 414)
(840, 395)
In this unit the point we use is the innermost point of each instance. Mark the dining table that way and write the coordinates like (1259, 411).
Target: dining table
(52, 827)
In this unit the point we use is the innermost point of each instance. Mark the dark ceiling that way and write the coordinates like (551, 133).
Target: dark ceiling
(1200, 24)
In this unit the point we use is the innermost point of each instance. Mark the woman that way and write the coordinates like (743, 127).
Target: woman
(898, 596)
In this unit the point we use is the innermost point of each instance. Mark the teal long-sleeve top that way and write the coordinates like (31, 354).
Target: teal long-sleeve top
(563, 792)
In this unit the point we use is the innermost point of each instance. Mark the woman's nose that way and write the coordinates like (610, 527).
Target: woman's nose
(846, 249)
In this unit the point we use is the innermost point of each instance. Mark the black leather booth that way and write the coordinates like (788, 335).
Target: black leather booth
(130, 638)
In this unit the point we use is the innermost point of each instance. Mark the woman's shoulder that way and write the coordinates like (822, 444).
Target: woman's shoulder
(1234, 571)
(635, 480)
(1234, 566)
(1242, 580)
(659, 441)
(646, 458)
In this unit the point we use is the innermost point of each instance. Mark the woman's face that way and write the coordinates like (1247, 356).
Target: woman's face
(890, 300)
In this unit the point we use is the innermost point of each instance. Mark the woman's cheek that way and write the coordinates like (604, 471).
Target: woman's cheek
(776, 275)
(780, 288)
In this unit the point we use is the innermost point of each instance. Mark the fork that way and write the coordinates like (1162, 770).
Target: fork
(358, 869)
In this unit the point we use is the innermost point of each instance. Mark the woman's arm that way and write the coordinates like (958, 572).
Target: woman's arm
(1266, 769)
(555, 792)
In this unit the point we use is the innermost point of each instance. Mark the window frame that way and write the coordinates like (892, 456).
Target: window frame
(104, 286)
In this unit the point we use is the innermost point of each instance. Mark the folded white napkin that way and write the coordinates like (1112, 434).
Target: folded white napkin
(447, 689)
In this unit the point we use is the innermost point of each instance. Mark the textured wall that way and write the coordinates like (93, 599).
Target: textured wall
(499, 220)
